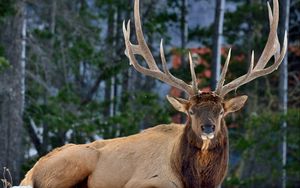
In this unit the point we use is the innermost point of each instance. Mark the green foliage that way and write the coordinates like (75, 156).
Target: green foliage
(82, 49)
(42, 34)
(6, 8)
(61, 114)
(247, 18)
(136, 110)
(202, 35)
(4, 64)
(70, 59)
(258, 149)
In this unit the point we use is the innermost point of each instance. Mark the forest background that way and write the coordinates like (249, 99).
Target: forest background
(64, 78)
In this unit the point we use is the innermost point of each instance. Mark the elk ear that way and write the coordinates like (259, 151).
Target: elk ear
(234, 104)
(178, 103)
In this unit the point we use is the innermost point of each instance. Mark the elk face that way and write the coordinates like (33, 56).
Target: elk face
(206, 111)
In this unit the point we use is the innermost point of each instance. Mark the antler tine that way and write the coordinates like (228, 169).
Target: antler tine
(272, 43)
(256, 73)
(272, 48)
(193, 74)
(131, 50)
(223, 74)
(142, 49)
(141, 39)
(248, 73)
(165, 68)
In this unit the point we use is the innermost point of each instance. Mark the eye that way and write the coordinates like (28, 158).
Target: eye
(222, 112)
(191, 112)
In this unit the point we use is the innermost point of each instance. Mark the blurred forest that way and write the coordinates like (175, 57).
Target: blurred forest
(64, 78)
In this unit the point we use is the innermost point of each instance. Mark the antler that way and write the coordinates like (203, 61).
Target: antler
(142, 49)
(272, 48)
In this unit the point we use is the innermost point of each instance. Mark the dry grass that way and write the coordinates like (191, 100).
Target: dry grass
(7, 179)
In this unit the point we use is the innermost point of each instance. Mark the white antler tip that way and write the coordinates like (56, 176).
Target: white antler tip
(190, 56)
(228, 56)
(128, 24)
(124, 27)
(161, 43)
(285, 35)
(126, 53)
(229, 52)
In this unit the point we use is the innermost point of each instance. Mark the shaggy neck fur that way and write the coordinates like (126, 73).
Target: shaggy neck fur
(198, 167)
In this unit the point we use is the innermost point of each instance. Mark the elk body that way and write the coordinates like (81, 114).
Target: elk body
(167, 156)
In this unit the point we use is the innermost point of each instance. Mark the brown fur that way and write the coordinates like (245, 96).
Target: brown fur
(202, 168)
(168, 156)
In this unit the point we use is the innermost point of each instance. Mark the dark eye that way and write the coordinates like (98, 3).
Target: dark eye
(191, 112)
(222, 112)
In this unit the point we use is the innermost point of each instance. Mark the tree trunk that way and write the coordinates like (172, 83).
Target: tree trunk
(12, 94)
(184, 26)
(243, 170)
(109, 83)
(283, 83)
(217, 42)
(184, 40)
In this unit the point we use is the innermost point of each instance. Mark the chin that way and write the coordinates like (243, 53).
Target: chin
(209, 136)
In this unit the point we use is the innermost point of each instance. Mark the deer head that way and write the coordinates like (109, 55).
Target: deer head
(205, 110)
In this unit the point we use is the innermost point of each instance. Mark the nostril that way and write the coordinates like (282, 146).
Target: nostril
(208, 128)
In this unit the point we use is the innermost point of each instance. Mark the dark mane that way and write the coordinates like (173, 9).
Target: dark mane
(199, 168)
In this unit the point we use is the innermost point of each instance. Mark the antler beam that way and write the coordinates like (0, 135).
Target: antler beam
(142, 49)
(272, 48)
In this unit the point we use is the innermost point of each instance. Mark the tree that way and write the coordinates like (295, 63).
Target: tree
(283, 84)
(72, 58)
(12, 92)
(217, 42)
(248, 170)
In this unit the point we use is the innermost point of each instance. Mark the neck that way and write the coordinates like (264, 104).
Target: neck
(198, 166)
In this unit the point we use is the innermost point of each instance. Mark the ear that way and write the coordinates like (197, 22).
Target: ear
(178, 103)
(234, 104)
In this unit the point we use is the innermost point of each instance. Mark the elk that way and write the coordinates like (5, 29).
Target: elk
(190, 155)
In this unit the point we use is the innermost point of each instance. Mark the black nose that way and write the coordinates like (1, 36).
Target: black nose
(208, 128)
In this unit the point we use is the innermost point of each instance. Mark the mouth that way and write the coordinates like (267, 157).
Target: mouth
(207, 136)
